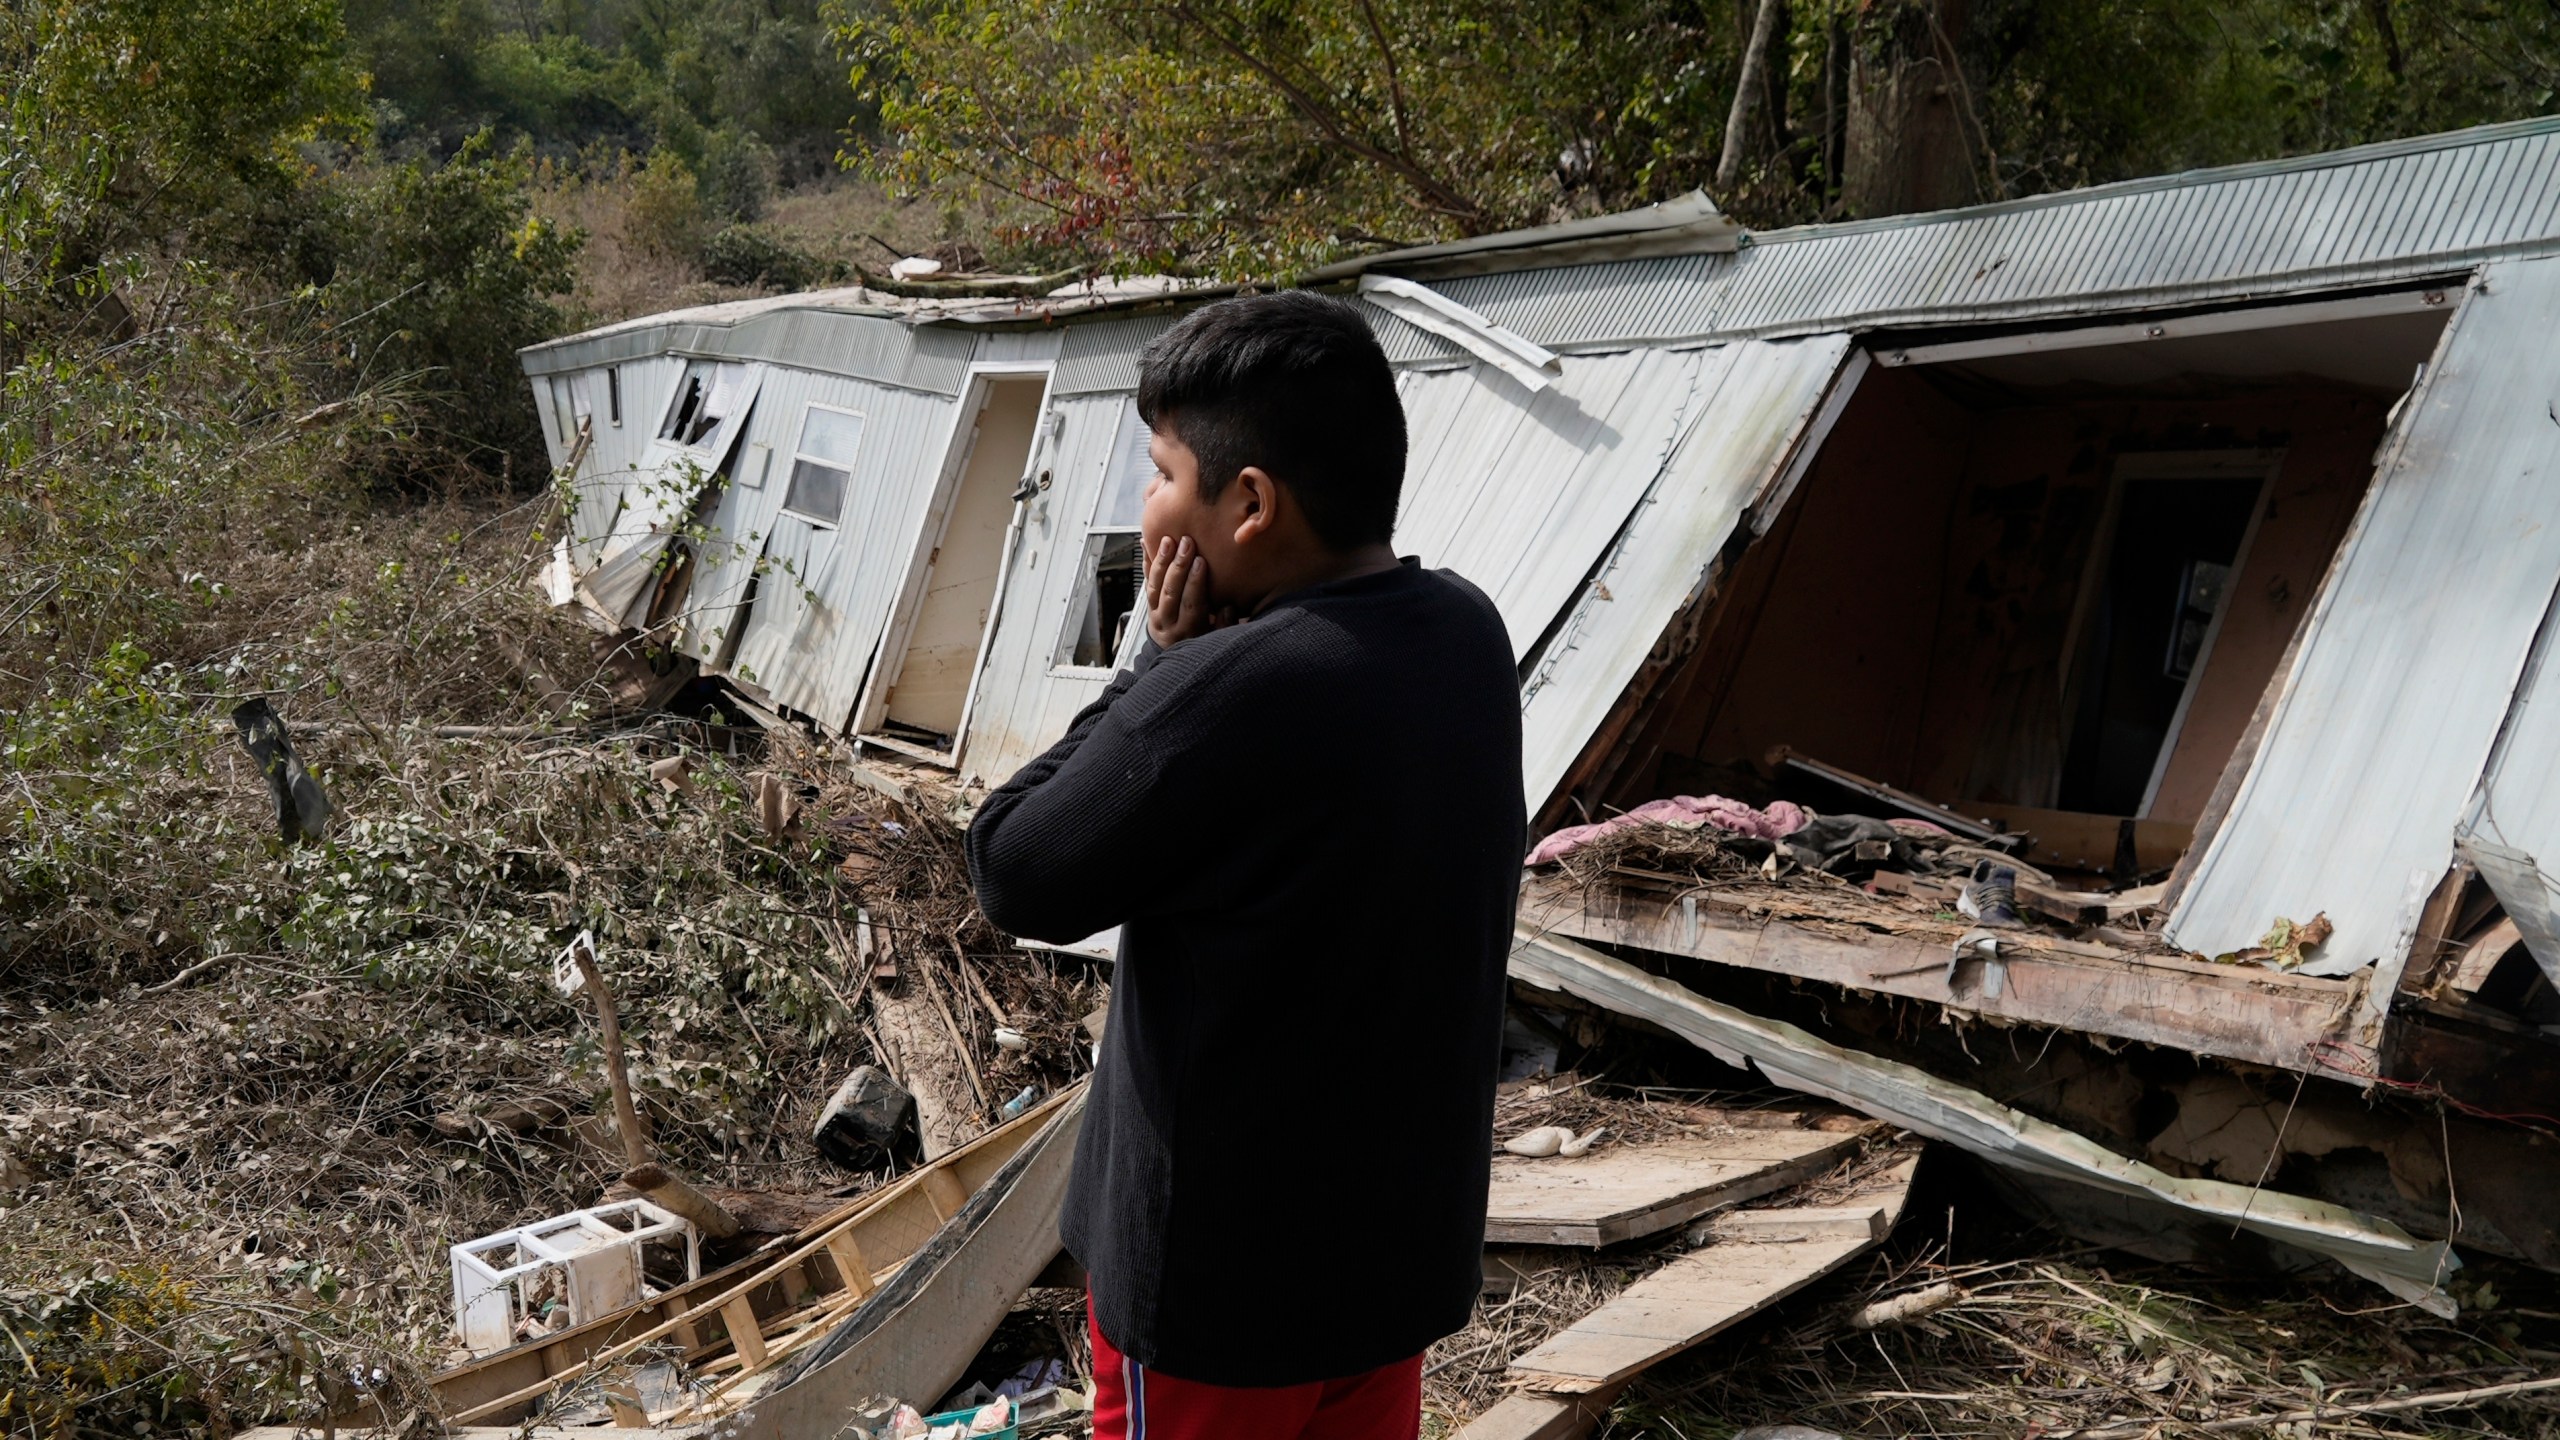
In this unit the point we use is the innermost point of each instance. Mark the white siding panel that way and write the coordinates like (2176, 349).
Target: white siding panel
(1024, 702)
(1520, 492)
(612, 465)
(1758, 397)
(808, 638)
(2411, 656)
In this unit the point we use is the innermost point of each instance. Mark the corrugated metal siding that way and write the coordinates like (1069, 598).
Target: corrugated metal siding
(2367, 216)
(1520, 492)
(2410, 659)
(1103, 354)
(612, 467)
(809, 642)
(888, 350)
(1023, 703)
(864, 347)
(1017, 347)
(1756, 399)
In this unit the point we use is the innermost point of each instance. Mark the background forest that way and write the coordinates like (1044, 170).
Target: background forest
(264, 265)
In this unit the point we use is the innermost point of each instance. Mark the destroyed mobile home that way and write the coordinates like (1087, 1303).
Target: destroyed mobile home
(2064, 678)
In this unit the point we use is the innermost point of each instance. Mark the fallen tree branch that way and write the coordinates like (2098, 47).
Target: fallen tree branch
(1905, 1308)
(1029, 287)
(674, 1193)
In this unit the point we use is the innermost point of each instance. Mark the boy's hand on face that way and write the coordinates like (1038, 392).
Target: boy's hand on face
(1177, 594)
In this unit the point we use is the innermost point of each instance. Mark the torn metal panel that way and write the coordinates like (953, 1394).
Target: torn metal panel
(2518, 882)
(1534, 366)
(2515, 813)
(1757, 401)
(1521, 492)
(1918, 1101)
(917, 1333)
(2409, 658)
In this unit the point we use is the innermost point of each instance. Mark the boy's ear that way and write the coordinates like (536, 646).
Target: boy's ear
(1257, 500)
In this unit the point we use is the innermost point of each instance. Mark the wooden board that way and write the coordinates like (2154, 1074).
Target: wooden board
(1698, 1295)
(2301, 1023)
(1622, 1192)
(1531, 1415)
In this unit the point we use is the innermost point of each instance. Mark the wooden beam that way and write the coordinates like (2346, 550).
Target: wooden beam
(746, 1333)
(2293, 1022)
(1628, 1191)
(851, 1268)
(1806, 1222)
(894, 1221)
(1529, 1415)
(1700, 1295)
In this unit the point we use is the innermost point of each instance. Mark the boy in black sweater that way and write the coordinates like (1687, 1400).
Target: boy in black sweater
(1302, 807)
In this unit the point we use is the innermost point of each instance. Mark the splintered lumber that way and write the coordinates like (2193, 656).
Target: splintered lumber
(1697, 1296)
(881, 1229)
(1627, 1191)
(1942, 1110)
(919, 1331)
(2231, 1012)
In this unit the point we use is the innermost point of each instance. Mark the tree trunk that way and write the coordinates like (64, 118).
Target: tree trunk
(1749, 90)
(1835, 101)
(1911, 136)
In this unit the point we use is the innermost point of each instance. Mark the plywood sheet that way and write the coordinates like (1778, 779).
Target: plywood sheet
(1626, 1191)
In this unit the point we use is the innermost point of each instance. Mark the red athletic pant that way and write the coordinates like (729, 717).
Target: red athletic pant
(1132, 1402)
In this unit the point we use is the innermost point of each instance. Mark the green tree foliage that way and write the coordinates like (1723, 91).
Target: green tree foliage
(1252, 136)
(735, 87)
(1242, 134)
(215, 313)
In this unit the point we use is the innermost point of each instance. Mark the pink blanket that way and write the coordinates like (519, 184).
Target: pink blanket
(1781, 819)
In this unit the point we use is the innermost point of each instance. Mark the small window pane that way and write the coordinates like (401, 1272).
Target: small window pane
(686, 408)
(830, 435)
(1106, 601)
(817, 491)
(1124, 484)
(560, 408)
(613, 393)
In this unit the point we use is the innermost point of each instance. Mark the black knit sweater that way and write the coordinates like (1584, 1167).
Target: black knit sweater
(1309, 827)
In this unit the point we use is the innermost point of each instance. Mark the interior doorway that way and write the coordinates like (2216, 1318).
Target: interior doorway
(929, 661)
(2176, 531)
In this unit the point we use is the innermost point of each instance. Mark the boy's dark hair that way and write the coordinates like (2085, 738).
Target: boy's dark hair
(1292, 382)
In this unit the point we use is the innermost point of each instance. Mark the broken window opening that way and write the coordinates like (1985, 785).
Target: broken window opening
(563, 411)
(706, 395)
(2046, 588)
(687, 407)
(1107, 586)
(1101, 615)
(822, 465)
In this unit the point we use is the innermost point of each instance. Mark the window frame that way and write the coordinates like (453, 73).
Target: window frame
(862, 424)
(1061, 661)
